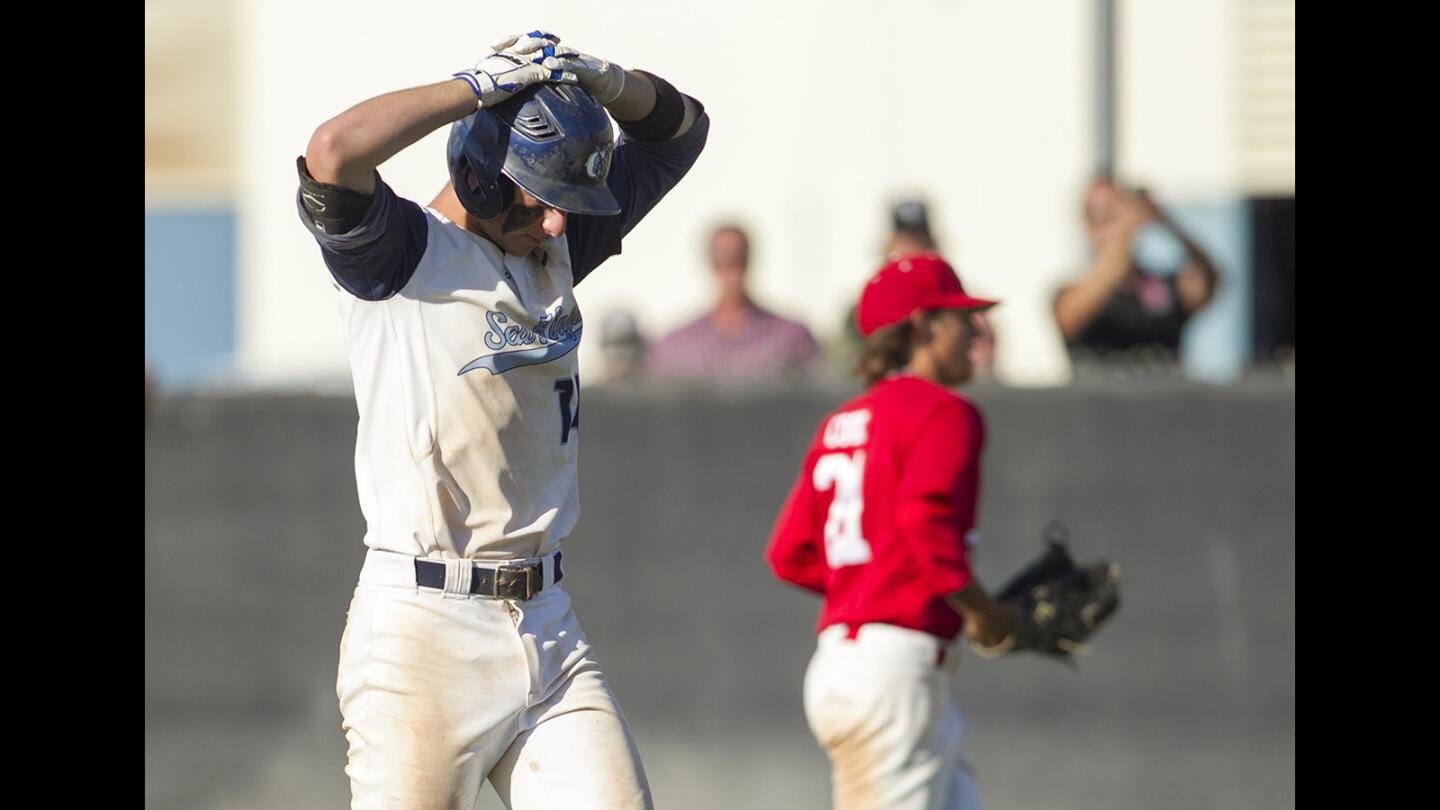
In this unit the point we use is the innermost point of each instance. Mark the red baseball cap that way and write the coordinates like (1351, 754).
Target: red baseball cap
(907, 283)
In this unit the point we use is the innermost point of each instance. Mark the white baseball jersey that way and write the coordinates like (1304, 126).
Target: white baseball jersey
(465, 365)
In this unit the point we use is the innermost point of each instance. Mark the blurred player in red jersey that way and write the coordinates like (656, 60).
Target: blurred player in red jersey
(879, 523)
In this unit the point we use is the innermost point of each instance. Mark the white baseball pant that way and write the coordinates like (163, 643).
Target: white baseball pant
(885, 713)
(440, 690)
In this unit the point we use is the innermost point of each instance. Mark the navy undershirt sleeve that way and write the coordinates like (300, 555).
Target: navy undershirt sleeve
(374, 260)
(640, 175)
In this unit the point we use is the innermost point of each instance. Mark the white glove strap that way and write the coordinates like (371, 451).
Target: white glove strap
(472, 78)
(498, 76)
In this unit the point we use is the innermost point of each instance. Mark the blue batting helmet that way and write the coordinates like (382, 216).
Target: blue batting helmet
(552, 140)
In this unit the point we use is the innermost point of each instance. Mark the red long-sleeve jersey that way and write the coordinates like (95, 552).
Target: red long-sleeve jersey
(877, 521)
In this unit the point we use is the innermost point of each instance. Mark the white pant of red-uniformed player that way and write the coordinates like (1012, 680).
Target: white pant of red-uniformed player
(882, 706)
(440, 690)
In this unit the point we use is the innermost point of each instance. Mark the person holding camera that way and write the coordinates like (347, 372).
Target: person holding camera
(1123, 302)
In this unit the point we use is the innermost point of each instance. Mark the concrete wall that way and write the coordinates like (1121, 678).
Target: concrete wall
(1187, 701)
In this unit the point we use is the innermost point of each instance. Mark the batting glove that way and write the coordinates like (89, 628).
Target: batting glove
(601, 79)
(514, 65)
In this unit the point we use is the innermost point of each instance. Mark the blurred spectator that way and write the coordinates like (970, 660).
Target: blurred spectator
(1145, 280)
(910, 230)
(910, 221)
(622, 346)
(737, 339)
(907, 241)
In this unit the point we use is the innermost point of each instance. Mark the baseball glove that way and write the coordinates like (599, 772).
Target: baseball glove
(1058, 604)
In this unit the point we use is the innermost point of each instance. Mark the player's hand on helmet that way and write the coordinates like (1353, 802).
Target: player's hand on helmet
(513, 66)
(526, 44)
(602, 79)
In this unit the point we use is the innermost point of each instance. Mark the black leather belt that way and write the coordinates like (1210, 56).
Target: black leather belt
(518, 582)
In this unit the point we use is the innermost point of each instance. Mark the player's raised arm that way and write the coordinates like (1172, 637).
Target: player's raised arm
(1198, 279)
(1078, 305)
(664, 132)
(346, 150)
(646, 106)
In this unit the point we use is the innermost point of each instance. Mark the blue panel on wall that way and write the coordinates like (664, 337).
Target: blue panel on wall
(189, 295)
(1216, 342)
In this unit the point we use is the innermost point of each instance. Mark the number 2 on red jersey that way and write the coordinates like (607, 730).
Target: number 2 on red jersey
(845, 473)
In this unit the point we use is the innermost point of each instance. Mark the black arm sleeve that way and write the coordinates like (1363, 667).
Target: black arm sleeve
(372, 256)
(665, 117)
(334, 209)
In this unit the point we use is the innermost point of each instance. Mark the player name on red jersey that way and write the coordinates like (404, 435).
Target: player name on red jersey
(877, 519)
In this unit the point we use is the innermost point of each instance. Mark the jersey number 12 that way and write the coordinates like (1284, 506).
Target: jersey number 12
(844, 473)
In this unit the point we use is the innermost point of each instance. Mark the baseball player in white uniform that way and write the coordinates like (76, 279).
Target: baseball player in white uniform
(462, 659)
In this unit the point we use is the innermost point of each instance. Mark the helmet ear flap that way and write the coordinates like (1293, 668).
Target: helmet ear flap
(478, 194)
(474, 171)
(485, 199)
